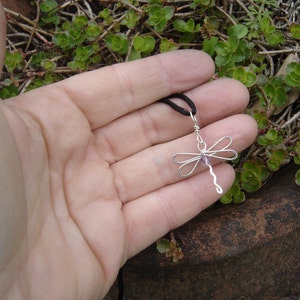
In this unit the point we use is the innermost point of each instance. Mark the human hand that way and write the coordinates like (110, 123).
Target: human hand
(88, 176)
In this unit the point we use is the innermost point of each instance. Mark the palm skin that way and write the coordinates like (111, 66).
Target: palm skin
(89, 175)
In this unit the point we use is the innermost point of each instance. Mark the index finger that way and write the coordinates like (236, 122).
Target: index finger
(108, 93)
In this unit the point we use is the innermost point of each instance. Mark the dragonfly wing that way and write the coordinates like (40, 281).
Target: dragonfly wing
(188, 163)
(220, 149)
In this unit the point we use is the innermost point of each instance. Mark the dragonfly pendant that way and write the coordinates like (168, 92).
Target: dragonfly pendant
(189, 161)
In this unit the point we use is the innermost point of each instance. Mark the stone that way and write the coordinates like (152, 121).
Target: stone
(247, 251)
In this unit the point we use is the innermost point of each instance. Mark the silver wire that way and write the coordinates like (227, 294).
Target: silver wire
(185, 159)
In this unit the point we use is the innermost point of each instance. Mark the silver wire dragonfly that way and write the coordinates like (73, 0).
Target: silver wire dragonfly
(189, 161)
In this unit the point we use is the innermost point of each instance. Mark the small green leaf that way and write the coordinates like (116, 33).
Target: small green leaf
(261, 119)
(209, 45)
(254, 172)
(226, 199)
(239, 31)
(9, 91)
(233, 43)
(203, 4)
(222, 49)
(131, 19)
(275, 38)
(293, 75)
(167, 45)
(280, 97)
(170, 248)
(66, 26)
(48, 5)
(277, 158)
(182, 26)
(168, 12)
(266, 25)
(51, 19)
(77, 65)
(295, 31)
(275, 91)
(234, 194)
(48, 65)
(49, 9)
(62, 40)
(179, 25)
(272, 135)
(77, 37)
(105, 13)
(117, 43)
(248, 78)
(39, 82)
(144, 44)
(297, 177)
(250, 182)
(92, 31)
(163, 245)
(79, 22)
(135, 54)
(13, 61)
(159, 16)
(296, 150)
(82, 53)
(262, 140)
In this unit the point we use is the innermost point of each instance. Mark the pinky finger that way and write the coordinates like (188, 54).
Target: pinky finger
(152, 216)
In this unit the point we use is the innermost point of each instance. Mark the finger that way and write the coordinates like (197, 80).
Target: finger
(159, 123)
(155, 214)
(108, 93)
(154, 168)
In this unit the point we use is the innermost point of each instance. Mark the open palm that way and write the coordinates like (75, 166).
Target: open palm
(89, 172)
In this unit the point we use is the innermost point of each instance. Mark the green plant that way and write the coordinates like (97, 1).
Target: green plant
(270, 33)
(9, 91)
(170, 248)
(253, 174)
(117, 43)
(131, 19)
(272, 137)
(249, 41)
(186, 26)
(168, 45)
(159, 16)
(276, 92)
(297, 177)
(235, 50)
(248, 78)
(142, 46)
(277, 156)
(261, 119)
(203, 4)
(235, 194)
(293, 75)
(13, 61)
(258, 19)
(295, 31)
(49, 9)
(297, 161)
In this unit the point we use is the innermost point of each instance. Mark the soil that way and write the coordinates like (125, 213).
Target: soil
(21, 6)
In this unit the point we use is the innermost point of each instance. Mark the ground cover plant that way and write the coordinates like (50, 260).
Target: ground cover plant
(256, 42)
